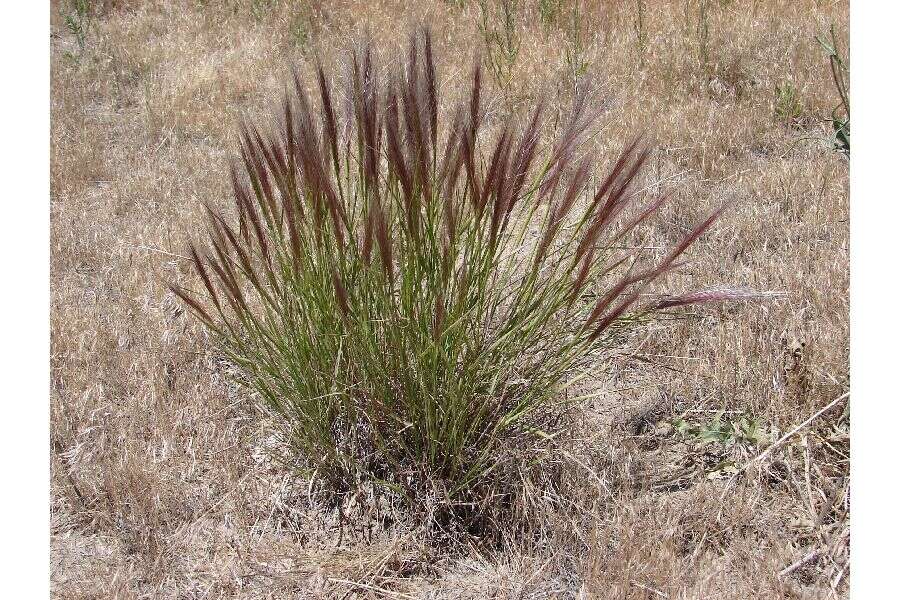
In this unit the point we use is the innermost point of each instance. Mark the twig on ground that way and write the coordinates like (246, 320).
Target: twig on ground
(152, 249)
(650, 589)
(808, 558)
(837, 580)
(371, 588)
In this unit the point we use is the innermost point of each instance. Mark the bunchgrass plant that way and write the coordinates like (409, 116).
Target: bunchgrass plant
(409, 296)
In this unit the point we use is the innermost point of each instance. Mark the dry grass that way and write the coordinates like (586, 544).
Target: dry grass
(161, 486)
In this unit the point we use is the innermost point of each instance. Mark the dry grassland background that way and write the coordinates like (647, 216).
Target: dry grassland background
(161, 486)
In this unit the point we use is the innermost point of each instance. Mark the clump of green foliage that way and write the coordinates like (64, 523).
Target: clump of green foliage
(720, 436)
(410, 296)
(77, 20)
(301, 28)
(259, 8)
(741, 429)
(788, 108)
(549, 11)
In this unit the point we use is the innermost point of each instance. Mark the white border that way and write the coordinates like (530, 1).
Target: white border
(24, 455)
(874, 232)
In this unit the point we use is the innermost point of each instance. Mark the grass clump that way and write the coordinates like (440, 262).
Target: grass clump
(410, 296)
(788, 107)
(78, 21)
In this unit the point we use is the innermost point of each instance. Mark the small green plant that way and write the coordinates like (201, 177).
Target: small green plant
(301, 30)
(549, 10)
(840, 72)
(409, 298)
(788, 108)
(259, 8)
(78, 21)
(739, 430)
(500, 31)
(718, 435)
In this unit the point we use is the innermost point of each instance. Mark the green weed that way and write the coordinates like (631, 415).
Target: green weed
(788, 108)
(549, 11)
(78, 21)
(840, 73)
(723, 432)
